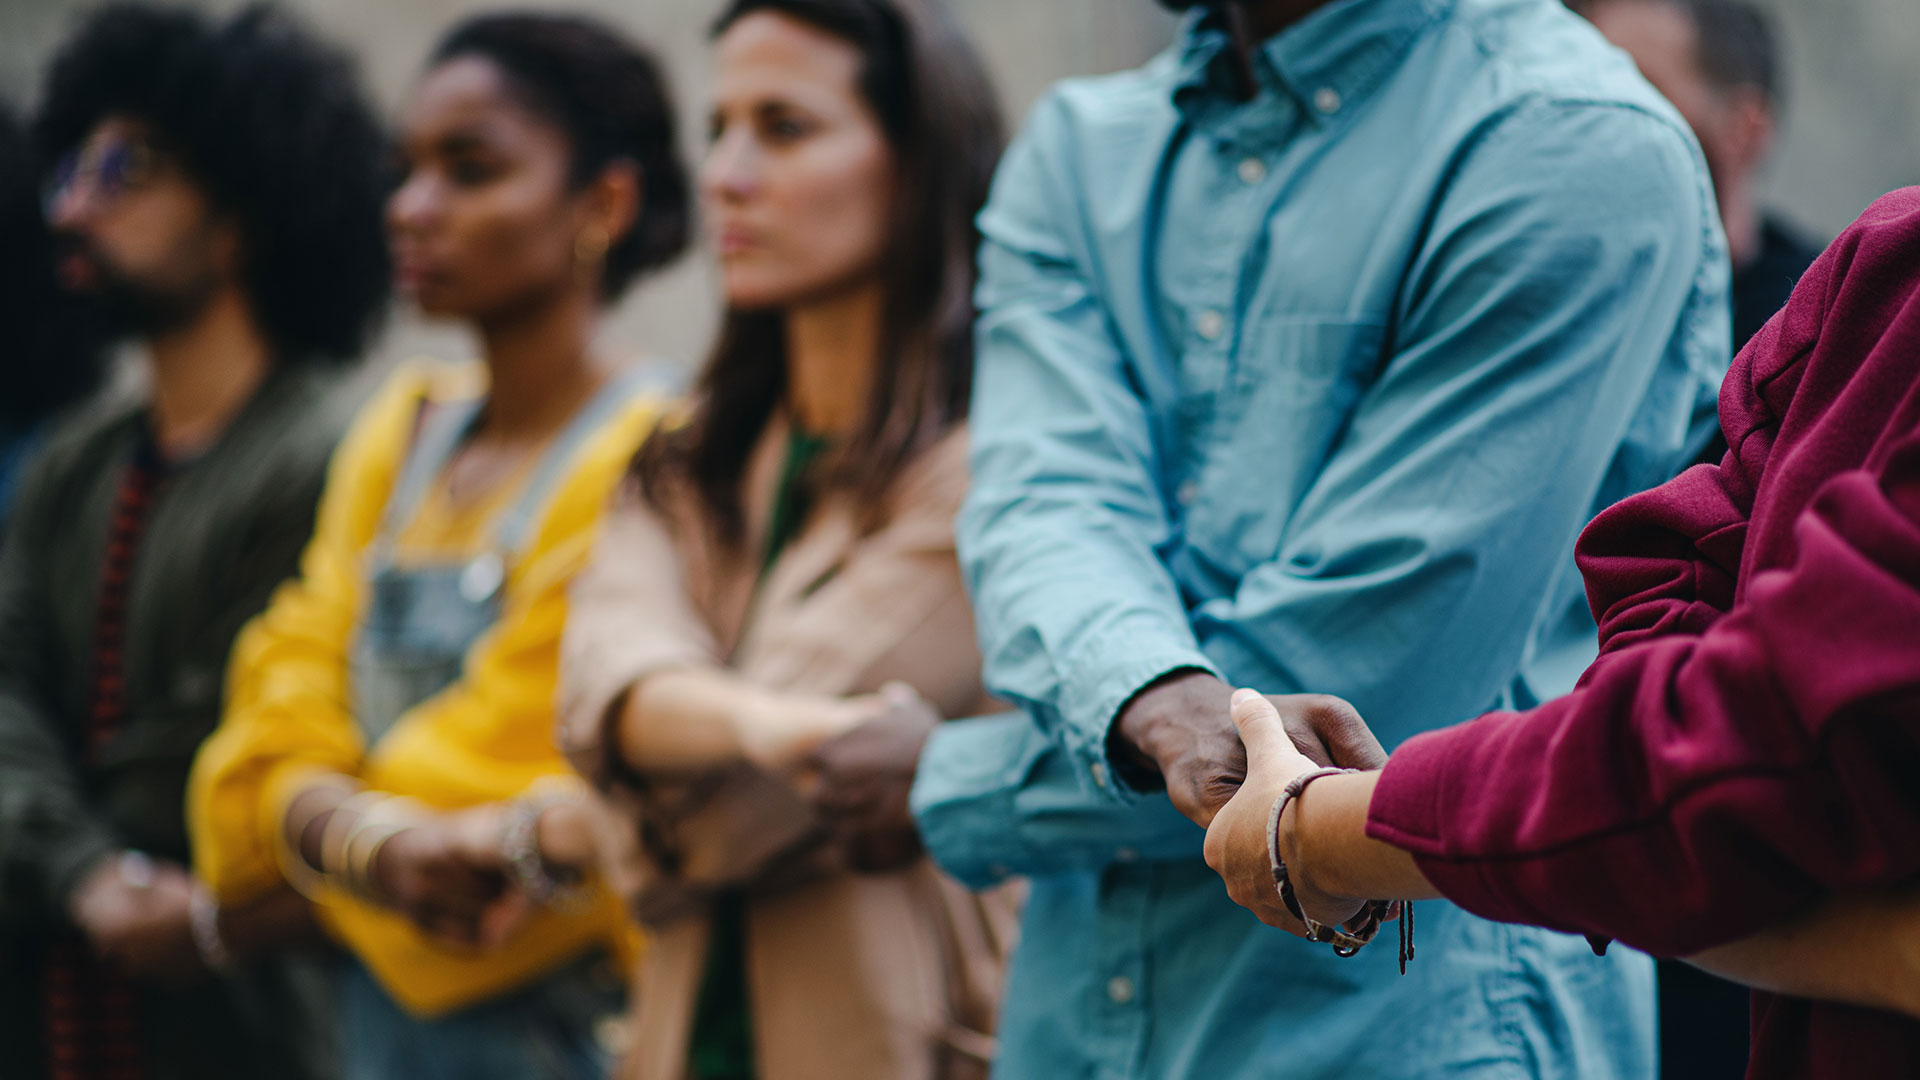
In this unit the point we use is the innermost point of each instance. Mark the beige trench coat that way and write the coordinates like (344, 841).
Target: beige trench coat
(890, 976)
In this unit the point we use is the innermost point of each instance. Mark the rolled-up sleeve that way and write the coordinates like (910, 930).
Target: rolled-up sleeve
(1058, 537)
(995, 798)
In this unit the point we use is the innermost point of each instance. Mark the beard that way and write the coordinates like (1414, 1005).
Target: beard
(118, 304)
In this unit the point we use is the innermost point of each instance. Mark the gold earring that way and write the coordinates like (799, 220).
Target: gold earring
(589, 251)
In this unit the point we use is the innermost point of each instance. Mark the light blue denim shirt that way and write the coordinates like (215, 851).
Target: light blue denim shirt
(1314, 392)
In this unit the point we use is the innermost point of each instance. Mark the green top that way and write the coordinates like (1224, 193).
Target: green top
(225, 528)
(722, 1045)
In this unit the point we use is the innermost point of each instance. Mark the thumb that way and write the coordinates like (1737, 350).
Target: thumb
(1262, 732)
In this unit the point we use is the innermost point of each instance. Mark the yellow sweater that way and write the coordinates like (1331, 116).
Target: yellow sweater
(486, 738)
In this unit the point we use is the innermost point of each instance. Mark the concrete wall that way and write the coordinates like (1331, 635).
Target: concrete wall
(1852, 125)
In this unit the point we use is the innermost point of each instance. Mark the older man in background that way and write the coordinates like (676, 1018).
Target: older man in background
(1719, 63)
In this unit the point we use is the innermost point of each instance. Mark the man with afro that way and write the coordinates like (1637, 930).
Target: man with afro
(214, 190)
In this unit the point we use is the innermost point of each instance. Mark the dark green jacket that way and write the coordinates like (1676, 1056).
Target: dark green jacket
(224, 530)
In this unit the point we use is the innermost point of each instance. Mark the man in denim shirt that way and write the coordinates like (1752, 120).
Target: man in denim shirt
(1301, 367)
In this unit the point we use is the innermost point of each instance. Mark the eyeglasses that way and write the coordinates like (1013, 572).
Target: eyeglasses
(103, 171)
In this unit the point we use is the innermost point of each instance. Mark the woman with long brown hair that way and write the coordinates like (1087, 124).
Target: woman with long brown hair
(774, 617)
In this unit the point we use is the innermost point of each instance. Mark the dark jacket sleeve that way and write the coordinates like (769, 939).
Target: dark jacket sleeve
(1725, 760)
(48, 836)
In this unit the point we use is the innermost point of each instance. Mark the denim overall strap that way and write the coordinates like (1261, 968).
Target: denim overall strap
(442, 427)
(513, 531)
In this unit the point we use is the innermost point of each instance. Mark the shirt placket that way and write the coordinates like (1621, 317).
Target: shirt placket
(1122, 1003)
(1208, 281)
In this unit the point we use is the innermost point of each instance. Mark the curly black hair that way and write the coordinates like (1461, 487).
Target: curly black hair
(606, 95)
(273, 126)
(52, 358)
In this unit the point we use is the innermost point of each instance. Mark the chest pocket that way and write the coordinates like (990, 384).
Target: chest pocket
(1293, 389)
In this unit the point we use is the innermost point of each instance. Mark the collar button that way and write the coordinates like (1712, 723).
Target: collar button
(1327, 100)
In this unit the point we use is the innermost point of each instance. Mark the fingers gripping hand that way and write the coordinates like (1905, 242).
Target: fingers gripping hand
(449, 877)
(1236, 845)
(860, 782)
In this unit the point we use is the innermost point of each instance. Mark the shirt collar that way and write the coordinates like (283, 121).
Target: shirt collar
(1327, 62)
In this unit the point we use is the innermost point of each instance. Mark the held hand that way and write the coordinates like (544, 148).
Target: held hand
(1237, 844)
(860, 781)
(136, 911)
(447, 874)
(1180, 728)
(1237, 840)
(1328, 731)
(783, 733)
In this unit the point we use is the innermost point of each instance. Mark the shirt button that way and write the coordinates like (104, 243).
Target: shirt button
(1120, 989)
(1187, 492)
(1099, 774)
(1126, 855)
(1210, 325)
(1253, 170)
(1327, 100)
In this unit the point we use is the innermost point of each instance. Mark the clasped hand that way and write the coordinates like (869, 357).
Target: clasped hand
(448, 875)
(1225, 757)
(859, 781)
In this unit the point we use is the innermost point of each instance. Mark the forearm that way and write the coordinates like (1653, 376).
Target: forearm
(692, 719)
(310, 811)
(1327, 850)
(995, 797)
(1862, 949)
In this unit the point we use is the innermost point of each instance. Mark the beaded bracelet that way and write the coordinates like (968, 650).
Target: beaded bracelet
(520, 847)
(347, 815)
(1353, 937)
(380, 823)
(307, 880)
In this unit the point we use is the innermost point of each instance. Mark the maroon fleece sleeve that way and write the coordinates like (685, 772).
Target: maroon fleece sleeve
(1750, 735)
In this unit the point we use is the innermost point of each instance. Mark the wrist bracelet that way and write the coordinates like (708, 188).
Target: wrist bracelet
(203, 918)
(520, 848)
(380, 823)
(1373, 913)
(348, 814)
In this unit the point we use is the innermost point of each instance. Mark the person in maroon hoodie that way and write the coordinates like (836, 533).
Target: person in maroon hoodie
(1736, 779)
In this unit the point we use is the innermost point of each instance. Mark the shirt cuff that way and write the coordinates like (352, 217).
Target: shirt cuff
(963, 798)
(1111, 671)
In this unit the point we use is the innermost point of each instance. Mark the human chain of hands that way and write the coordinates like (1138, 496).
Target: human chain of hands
(1226, 758)
(450, 874)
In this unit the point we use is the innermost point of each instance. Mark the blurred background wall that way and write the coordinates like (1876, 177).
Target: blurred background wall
(1852, 125)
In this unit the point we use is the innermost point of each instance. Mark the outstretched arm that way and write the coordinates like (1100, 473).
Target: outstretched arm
(1860, 948)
